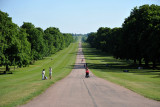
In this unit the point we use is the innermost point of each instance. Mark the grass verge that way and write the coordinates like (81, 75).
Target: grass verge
(142, 81)
(26, 83)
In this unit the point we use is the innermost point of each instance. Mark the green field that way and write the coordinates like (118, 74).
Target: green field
(144, 81)
(26, 83)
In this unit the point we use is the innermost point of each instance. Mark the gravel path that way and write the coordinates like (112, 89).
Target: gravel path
(77, 91)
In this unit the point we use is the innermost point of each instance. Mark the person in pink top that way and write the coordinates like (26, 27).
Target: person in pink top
(87, 72)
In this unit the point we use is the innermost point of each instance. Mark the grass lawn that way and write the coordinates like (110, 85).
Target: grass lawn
(26, 83)
(143, 81)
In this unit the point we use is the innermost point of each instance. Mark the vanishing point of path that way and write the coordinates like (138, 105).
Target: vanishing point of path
(77, 91)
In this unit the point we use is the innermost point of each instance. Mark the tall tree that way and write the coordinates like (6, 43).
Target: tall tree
(8, 40)
(35, 37)
(24, 56)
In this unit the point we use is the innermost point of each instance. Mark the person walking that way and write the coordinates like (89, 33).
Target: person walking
(50, 73)
(82, 60)
(43, 74)
(87, 72)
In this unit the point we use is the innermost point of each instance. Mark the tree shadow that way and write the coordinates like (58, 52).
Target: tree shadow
(110, 66)
(120, 69)
(158, 76)
(77, 66)
(157, 72)
(4, 72)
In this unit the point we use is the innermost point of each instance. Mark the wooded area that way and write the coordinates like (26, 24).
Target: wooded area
(23, 45)
(138, 39)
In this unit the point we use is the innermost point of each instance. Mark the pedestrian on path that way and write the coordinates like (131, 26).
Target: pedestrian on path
(50, 73)
(87, 72)
(43, 74)
(82, 60)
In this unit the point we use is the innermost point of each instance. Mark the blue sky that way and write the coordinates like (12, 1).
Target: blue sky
(71, 16)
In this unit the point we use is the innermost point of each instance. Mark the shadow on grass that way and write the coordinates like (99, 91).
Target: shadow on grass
(149, 73)
(156, 76)
(96, 54)
(110, 66)
(76, 66)
(119, 68)
(5, 72)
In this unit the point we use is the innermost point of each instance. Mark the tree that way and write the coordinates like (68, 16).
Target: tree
(8, 40)
(68, 39)
(91, 39)
(22, 45)
(49, 32)
(141, 29)
(56, 40)
(24, 55)
(138, 39)
(151, 30)
(35, 37)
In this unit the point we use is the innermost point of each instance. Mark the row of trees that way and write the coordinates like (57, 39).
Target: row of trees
(138, 39)
(26, 44)
(80, 37)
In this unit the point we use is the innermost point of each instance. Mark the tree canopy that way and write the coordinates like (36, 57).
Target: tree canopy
(23, 45)
(138, 39)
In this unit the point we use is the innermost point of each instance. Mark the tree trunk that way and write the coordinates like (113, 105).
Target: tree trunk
(7, 67)
(140, 63)
(154, 64)
(146, 62)
(135, 61)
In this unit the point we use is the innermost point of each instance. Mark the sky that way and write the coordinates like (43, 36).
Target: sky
(71, 16)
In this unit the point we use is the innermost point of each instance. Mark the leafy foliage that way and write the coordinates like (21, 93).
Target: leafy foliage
(22, 45)
(137, 39)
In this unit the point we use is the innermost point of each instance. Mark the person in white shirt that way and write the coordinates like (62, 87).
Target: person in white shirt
(43, 74)
(50, 72)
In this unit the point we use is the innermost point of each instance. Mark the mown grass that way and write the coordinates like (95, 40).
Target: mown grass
(143, 81)
(26, 83)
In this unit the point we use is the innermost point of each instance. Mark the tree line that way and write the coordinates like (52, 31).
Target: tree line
(23, 45)
(138, 39)
(80, 37)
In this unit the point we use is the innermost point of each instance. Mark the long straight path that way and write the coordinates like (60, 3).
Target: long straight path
(77, 91)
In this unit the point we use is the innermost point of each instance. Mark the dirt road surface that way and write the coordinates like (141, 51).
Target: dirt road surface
(77, 91)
